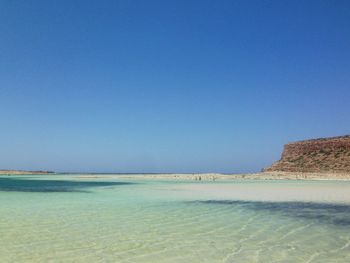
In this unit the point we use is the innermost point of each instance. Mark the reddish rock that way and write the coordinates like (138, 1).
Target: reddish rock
(317, 155)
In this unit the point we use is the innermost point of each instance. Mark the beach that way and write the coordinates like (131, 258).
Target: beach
(242, 176)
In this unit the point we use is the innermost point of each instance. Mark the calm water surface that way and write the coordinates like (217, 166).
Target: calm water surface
(72, 219)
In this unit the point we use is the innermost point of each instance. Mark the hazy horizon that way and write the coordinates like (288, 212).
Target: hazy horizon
(174, 86)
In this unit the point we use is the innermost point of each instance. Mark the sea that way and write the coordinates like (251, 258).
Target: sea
(105, 218)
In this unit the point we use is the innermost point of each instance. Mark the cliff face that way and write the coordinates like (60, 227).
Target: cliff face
(318, 155)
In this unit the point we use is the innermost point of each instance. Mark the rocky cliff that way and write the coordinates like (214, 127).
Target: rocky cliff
(317, 155)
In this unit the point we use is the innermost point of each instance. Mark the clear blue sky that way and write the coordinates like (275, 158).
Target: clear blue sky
(169, 86)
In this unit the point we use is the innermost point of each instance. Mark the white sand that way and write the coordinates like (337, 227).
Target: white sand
(329, 192)
(251, 176)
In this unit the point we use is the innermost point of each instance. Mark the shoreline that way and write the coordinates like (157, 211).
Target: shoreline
(276, 175)
(245, 176)
(19, 172)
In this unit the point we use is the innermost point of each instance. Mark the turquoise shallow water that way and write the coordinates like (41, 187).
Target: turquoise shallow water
(72, 219)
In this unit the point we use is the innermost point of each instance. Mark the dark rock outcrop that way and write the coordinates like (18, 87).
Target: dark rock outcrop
(317, 155)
